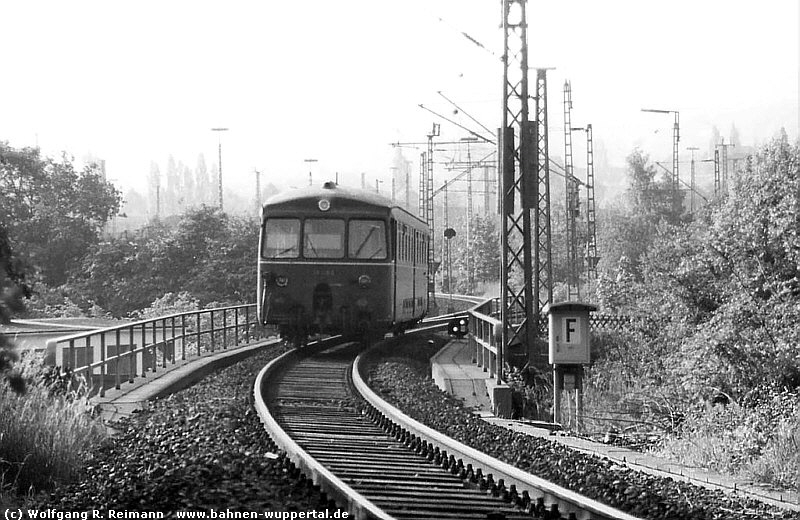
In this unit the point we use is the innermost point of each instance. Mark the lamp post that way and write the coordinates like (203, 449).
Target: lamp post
(676, 137)
(219, 145)
(309, 161)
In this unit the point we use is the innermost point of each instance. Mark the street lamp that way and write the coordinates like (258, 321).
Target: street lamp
(219, 143)
(310, 181)
(676, 137)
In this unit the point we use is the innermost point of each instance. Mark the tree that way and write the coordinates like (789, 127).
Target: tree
(52, 212)
(172, 194)
(201, 183)
(155, 193)
(12, 289)
(205, 253)
(483, 255)
(734, 136)
(188, 190)
(722, 293)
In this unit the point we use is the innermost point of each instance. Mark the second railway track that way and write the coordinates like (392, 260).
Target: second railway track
(359, 456)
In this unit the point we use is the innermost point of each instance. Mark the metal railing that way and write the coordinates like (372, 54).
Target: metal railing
(485, 334)
(485, 329)
(107, 357)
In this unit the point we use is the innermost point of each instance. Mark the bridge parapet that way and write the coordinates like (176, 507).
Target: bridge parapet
(485, 334)
(107, 357)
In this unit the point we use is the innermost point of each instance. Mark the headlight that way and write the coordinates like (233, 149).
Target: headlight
(281, 281)
(364, 281)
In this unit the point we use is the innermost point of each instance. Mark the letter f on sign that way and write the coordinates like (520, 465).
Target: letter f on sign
(571, 332)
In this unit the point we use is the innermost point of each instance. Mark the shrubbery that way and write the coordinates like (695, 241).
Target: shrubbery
(721, 291)
(46, 432)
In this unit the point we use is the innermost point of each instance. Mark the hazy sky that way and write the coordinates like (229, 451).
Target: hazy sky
(133, 82)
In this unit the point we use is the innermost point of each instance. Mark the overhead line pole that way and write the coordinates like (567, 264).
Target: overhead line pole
(219, 143)
(592, 258)
(677, 204)
(692, 178)
(543, 244)
(572, 203)
(517, 163)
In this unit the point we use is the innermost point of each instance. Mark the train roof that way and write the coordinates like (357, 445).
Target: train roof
(332, 192)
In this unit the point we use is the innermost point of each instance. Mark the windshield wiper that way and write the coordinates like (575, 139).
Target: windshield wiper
(364, 243)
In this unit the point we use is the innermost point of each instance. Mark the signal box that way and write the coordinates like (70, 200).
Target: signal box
(569, 333)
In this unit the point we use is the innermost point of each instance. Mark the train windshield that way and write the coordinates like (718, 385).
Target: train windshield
(281, 238)
(366, 239)
(323, 238)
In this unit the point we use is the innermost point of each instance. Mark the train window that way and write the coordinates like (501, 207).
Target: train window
(281, 238)
(406, 248)
(323, 238)
(367, 239)
(401, 242)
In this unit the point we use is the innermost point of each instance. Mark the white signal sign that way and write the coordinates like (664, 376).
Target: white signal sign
(571, 331)
(569, 341)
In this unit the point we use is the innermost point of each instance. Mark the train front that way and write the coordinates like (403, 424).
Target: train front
(324, 264)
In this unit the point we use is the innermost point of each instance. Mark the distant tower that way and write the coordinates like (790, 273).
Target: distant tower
(572, 202)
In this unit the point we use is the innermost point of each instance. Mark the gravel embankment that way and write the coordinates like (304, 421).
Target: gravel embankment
(636, 492)
(200, 449)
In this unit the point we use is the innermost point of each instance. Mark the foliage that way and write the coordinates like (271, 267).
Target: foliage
(483, 253)
(206, 254)
(722, 295)
(13, 288)
(52, 212)
(48, 438)
(755, 437)
(168, 304)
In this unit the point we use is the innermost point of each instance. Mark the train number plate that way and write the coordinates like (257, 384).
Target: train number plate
(325, 273)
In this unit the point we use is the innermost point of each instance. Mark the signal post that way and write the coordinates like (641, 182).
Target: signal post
(569, 350)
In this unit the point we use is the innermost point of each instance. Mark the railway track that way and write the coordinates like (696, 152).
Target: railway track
(364, 459)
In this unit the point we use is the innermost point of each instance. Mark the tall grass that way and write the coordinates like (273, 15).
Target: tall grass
(779, 463)
(45, 434)
(759, 440)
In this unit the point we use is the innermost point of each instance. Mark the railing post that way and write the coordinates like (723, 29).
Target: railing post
(183, 337)
(154, 348)
(173, 339)
(144, 350)
(247, 321)
(236, 324)
(102, 365)
(212, 330)
(198, 333)
(116, 363)
(225, 328)
(164, 343)
(131, 355)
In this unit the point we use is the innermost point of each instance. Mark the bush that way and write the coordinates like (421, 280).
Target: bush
(44, 436)
(759, 438)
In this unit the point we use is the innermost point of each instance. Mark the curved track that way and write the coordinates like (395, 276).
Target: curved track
(364, 459)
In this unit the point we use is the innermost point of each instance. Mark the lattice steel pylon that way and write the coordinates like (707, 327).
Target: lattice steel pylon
(432, 266)
(470, 253)
(572, 204)
(423, 208)
(677, 203)
(721, 162)
(542, 245)
(519, 192)
(692, 175)
(592, 257)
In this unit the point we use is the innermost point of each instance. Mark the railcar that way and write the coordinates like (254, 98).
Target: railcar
(337, 260)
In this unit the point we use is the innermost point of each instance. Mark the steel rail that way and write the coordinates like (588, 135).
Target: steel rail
(568, 501)
(357, 505)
